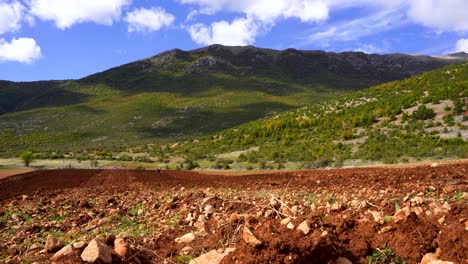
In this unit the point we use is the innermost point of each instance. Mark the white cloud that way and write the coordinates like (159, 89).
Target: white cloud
(66, 13)
(148, 19)
(462, 45)
(266, 11)
(11, 16)
(241, 31)
(443, 15)
(23, 50)
(356, 29)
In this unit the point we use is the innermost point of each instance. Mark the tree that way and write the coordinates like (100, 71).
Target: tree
(27, 157)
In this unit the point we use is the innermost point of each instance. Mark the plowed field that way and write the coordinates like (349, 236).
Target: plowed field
(319, 216)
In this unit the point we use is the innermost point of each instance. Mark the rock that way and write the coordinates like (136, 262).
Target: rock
(285, 221)
(441, 220)
(103, 221)
(201, 219)
(401, 214)
(250, 238)
(440, 209)
(433, 258)
(417, 210)
(65, 251)
(140, 212)
(187, 238)
(386, 229)
(96, 251)
(114, 211)
(209, 209)
(342, 260)
(24, 197)
(212, 257)
(53, 244)
(336, 206)
(186, 250)
(435, 164)
(418, 200)
(121, 247)
(15, 217)
(304, 227)
(324, 233)
(378, 216)
(355, 203)
(290, 225)
(79, 244)
(448, 189)
(285, 211)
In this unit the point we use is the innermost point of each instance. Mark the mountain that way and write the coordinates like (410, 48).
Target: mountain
(425, 116)
(178, 94)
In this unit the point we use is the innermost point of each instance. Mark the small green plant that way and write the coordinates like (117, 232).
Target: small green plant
(184, 259)
(387, 218)
(397, 207)
(384, 255)
(173, 220)
(134, 211)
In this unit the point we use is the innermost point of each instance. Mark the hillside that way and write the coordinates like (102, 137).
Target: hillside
(425, 116)
(179, 94)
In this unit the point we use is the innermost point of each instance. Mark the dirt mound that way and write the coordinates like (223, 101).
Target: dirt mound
(322, 216)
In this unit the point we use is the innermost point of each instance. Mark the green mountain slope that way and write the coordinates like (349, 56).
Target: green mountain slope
(180, 94)
(420, 117)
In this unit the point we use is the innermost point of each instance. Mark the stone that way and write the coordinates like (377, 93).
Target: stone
(211, 257)
(342, 260)
(448, 189)
(285, 221)
(378, 216)
(103, 221)
(290, 225)
(121, 247)
(187, 238)
(24, 197)
(65, 251)
(53, 244)
(441, 220)
(336, 206)
(386, 229)
(324, 233)
(79, 244)
(418, 200)
(304, 227)
(433, 258)
(286, 212)
(186, 250)
(401, 214)
(250, 238)
(97, 251)
(209, 209)
(114, 211)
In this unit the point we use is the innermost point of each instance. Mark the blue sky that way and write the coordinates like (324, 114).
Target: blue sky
(69, 39)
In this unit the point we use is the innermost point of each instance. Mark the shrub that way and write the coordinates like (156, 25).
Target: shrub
(27, 157)
(423, 113)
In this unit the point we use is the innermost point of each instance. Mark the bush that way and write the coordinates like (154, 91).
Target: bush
(423, 113)
(27, 157)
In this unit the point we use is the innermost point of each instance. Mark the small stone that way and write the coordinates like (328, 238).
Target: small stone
(285, 221)
(24, 197)
(304, 227)
(187, 238)
(290, 225)
(342, 260)
(209, 209)
(140, 212)
(417, 210)
(250, 238)
(378, 216)
(201, 219)
(186, 250)
(53, 244)
(336, 206)
(65, 251)
(103, 221)
(121, 247)
(114, 211)
(386, 229)
(355, 203)
(435, 164)
(212, 257)
(433, 258)
(401, 214)
(96, 251)
(441, 220)
(286, 212)
(79, 244)
(418, 200)
(324, 233)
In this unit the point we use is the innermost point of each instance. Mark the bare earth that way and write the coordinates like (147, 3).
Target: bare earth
(4, 173)
(254, 218)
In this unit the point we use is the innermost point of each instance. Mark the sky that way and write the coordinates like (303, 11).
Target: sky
(70, 39)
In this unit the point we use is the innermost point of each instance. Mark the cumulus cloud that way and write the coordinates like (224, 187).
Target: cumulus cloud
(11, 16)
(147, 20)
(66, 13)
(443, 15)
(462, 45)
(24, 50)
(241, 31)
